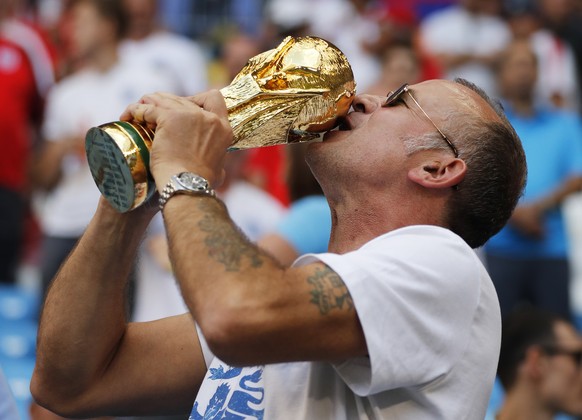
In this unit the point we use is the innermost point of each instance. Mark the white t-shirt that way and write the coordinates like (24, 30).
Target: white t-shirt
(557, 71)
(456, 31)
(81, 101)
(181, 58)
(432, 325)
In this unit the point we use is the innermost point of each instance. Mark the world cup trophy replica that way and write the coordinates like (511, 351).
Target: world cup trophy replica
(293, 93)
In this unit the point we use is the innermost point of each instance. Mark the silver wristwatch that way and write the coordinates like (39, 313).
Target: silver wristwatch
(185, 183)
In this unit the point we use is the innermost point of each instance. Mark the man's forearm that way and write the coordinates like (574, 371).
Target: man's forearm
(556, 197)
(84, 315)
(208, 251)
(219, 270)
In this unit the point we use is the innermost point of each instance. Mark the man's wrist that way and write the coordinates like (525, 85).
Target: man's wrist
(185, 183)
(163, 175)
(108, 218)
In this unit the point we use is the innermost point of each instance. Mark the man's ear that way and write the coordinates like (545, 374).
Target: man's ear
(439, 174)
(535, 363)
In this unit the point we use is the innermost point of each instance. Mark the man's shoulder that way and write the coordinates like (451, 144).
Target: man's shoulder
(172, 43)
(560, 121)
(74, 83)
(415, 233)
(562, 115)
(408, 249)
(449, 13)
(135, 80)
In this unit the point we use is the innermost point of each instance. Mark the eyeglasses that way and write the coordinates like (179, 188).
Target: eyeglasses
(554, 351)
(392, 100)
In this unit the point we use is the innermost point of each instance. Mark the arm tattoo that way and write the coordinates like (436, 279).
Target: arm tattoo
(329, 291)
(225, 243)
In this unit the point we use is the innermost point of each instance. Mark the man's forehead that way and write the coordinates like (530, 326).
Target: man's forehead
(566, 334)
(447, 95)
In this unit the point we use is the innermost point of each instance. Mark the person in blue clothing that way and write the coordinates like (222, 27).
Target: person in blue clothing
(8, 408)
(528, 259)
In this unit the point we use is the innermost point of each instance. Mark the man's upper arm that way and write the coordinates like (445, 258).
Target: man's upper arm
(157, 369)
(307, 313)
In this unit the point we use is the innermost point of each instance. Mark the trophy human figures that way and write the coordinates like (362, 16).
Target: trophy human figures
(293, 93)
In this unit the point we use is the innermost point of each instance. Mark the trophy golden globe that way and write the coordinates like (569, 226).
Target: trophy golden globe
(293, 93)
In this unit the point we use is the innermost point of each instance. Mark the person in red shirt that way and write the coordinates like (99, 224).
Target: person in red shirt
(26, 73)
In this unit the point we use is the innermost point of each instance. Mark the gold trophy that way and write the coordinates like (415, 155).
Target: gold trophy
(293, 93)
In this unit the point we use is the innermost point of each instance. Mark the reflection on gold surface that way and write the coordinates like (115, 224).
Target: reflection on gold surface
(292, 93)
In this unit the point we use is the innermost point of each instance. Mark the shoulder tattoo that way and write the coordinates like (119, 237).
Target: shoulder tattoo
(328, 291)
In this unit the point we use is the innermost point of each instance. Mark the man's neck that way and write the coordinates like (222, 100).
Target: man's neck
(104, 59)
(354, 224)
(138, 33)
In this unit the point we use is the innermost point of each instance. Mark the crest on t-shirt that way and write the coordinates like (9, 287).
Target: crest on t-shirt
(230, 393)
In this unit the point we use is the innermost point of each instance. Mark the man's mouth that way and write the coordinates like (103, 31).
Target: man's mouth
(344, 125)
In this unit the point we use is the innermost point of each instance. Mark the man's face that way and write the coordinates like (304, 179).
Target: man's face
(365, 146)
(518, 73)
(477, 6)
(89, 30)
(561, 387)
(370, 145)
(141, 11)
(557, 12)
(399, 67)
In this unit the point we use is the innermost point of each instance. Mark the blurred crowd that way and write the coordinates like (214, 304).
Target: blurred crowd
(69, 65)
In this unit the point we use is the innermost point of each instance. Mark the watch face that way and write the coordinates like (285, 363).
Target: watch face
(191, 181)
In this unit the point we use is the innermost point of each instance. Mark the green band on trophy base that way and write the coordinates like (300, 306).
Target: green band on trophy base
(137, 139)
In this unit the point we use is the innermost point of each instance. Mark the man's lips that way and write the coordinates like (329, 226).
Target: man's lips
(344, 124)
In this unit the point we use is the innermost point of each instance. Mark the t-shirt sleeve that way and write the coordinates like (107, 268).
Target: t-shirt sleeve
(206, 352)
(53, 127)
(415, 295)
(307, 225)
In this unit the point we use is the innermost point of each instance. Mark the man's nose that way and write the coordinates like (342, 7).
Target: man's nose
(366, 103)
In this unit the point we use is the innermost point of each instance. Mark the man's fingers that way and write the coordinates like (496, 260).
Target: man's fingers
(151, 107)
(211, 101)
(140, 112)
(147, 103)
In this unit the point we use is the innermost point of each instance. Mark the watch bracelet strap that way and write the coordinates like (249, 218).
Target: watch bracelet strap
(169, 191)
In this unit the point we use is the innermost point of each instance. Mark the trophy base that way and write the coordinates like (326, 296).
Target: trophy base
(118, 155)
